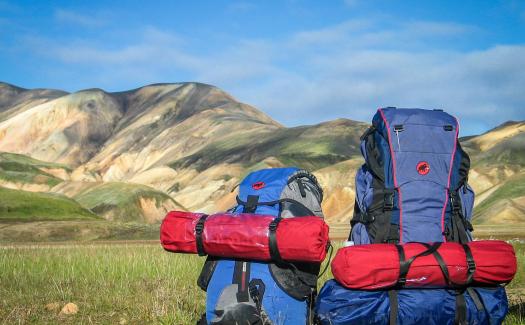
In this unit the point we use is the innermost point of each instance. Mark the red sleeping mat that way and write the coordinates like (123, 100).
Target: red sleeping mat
(246, 236)
(377, 266)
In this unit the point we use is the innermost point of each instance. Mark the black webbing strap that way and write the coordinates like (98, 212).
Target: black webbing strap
(394, 306)
(405, 265)
(241, 276)
(471, 264)
(473, 293)
(301, 187)
(272, 237)
(199, 228)
(402, 260)
(459, 231)
(270, 203)
(251, 204)
(461, 308)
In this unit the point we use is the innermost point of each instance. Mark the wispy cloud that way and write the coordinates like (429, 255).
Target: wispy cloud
(345, 70)
(82, 19)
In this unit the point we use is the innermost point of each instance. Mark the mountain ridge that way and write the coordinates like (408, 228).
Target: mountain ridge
(191, 143)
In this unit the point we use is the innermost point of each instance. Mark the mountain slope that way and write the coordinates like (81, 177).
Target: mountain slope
(133, 155)
(497, 172)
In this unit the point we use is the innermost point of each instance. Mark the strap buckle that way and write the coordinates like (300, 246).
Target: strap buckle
(454, 201)
(388, 203)
(471, 265)
(273, 225)
(199, 228)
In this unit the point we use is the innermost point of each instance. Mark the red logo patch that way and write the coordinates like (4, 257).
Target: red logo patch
(423, 168)
(258, 185)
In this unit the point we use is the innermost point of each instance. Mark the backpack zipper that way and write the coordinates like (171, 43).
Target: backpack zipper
(398, 128)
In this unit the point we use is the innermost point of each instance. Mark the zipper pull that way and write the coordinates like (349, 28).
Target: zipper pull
(398, 128)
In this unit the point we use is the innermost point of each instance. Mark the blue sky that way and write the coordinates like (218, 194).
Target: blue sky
(302, 62)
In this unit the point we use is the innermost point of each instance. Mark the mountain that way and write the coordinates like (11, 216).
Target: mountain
(131, 156)
(498, 173)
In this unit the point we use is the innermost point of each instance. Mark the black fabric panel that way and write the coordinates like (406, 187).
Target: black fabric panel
(241, 277)
(464, 166)
(207, 272)
(298, 280)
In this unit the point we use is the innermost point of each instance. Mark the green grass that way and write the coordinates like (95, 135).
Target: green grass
(139, 283)
(18, 173)
(18, 168)
(120, 200)
(16, 205)
(77, 230)
(26, 160)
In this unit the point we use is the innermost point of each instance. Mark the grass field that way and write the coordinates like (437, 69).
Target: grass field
(120, 283)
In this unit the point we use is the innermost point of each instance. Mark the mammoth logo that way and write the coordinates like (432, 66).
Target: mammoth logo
(423, 168)
(258, 185)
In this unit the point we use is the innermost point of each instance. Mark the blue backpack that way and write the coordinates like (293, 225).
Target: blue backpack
(413, 187)
(249, 292)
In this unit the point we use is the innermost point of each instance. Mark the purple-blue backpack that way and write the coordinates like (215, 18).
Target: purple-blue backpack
(413, 186)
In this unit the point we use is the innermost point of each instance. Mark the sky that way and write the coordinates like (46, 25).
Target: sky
(301, 62)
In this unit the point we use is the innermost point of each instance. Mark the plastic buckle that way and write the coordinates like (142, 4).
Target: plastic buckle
(199, 227)
(388, 202)
(455, 203)
(471, 265)
(273, 224)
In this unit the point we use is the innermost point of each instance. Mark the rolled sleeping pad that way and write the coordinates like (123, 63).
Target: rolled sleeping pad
(337, 305)
(246, 236)
(421, 265)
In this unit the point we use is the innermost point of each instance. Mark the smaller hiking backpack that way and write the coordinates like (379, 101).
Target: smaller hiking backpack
(250, 292)
(414, 183)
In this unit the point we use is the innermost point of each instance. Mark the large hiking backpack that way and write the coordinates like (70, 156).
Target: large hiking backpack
(413, 185)
(249, 292)
(412, 188)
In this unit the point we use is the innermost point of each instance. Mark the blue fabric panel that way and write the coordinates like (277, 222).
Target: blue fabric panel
(422, 204)
(363, 188)
(275, 179)
(359, 235)
(337, 305)
(280, 307)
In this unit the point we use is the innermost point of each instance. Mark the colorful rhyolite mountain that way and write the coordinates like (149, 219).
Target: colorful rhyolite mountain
(132, 156)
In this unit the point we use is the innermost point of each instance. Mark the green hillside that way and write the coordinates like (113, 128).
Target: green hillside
(16, 205)
(310, 147)
(18, 168)
(120, 201)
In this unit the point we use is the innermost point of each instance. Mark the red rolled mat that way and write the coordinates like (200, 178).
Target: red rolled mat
(377, 266)
(246, 236)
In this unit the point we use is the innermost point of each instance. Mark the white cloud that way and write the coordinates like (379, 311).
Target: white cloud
(346, 70)
(83, 19)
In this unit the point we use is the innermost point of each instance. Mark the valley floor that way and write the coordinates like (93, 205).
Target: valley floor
(123, 282)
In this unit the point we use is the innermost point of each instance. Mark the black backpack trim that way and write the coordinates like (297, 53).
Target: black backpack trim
(378, 219)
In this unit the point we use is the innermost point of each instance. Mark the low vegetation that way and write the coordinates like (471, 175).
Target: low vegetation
(126, 282)
(20, 169)
(120, 201)
(22, 206)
